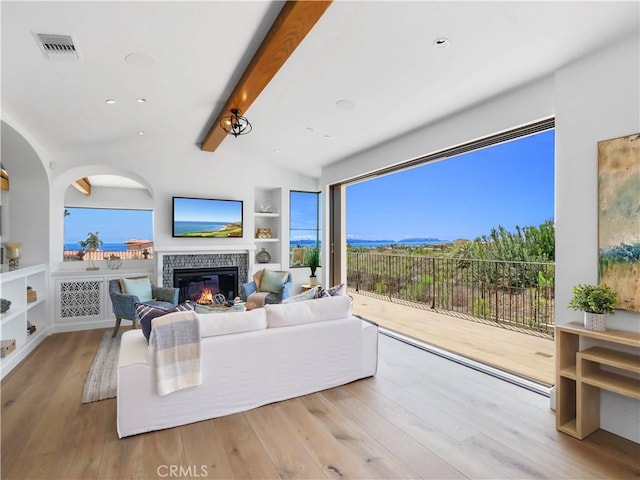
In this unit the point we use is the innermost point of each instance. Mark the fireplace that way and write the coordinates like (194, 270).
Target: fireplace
(200, 285)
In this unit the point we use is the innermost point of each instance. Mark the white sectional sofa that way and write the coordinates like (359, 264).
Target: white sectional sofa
(250, 359)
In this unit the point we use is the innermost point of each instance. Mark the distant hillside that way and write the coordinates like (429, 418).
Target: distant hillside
(361, 240)
(423, 240)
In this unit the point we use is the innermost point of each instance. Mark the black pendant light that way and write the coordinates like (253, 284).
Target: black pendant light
(235, 124)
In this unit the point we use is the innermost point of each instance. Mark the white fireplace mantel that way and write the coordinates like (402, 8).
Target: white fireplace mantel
(191, 249)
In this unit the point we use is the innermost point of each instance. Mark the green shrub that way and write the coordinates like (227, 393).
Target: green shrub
(481, 308)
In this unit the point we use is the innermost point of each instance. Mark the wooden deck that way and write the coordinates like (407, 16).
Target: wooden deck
(522, 354)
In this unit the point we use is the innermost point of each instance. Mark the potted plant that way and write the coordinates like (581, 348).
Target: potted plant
(90, 244)
(595, 302)
(312, 260)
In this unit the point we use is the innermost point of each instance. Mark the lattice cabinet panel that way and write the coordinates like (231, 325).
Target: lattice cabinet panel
(80, 299)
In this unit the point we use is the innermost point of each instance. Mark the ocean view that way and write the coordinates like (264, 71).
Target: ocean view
(181, 228)
(105, 247)
(412, 242)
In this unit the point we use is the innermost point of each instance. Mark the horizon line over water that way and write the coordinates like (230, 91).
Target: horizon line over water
(376, 243)
(121, 246)
(105, 247)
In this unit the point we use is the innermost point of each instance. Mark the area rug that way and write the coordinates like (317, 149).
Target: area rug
(101, 381)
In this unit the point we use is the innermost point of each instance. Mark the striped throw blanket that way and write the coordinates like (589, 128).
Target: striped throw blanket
(174, 345)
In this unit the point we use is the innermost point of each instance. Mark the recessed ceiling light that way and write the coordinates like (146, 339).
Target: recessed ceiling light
(140, 132)
(308, 130)
(441, 42)
(110, 101)
(346, 105)
(141, 100)
(276, 151)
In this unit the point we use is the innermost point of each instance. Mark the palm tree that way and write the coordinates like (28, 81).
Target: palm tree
(93, 242)
(90, 244)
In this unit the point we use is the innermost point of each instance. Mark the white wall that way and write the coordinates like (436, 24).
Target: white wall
(25, 208)
(106, 197)
(597, 99)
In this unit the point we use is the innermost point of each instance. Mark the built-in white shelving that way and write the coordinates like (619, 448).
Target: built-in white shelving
(13, 323)
(271, 219)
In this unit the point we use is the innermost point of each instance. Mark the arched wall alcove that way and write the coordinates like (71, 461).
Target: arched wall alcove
(25, 209)
(63, 194)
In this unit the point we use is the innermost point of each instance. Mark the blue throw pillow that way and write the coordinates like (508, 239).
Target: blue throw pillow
(273, 281)
(147, 313)
(140, 287)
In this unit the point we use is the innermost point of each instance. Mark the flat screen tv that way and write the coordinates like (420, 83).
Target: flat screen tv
(206, 217)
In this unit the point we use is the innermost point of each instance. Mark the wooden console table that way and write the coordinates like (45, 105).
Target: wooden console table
(581, 374)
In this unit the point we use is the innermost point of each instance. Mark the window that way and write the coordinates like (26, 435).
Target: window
(304, 227)
(97, 233)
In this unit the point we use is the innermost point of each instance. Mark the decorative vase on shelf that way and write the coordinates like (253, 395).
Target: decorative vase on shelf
(595, 321)
(14, 252)
(263, 256)
(113, 262)
(595, 301)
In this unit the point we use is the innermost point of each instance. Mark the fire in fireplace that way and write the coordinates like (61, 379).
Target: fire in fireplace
(201, 285)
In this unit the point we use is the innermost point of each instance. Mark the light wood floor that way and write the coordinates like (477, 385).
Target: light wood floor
(522, 354)
(421, 416)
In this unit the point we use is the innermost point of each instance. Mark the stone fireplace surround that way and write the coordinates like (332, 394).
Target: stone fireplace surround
(168, 261)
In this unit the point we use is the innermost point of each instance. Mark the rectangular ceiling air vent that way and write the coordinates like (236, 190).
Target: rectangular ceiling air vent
(57, 47)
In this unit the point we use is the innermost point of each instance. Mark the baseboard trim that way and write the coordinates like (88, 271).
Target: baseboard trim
(86, 325)
(467, 362)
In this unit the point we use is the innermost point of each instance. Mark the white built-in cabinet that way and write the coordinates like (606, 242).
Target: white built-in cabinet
(267, 213)
(82, 298)
(13, 323)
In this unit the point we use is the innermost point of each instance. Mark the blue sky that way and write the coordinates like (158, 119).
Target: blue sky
(462, 197)
(113, 226)
(304, 214)
(202, 210)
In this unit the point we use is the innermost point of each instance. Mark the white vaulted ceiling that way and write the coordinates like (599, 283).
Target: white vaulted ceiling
(379, 56)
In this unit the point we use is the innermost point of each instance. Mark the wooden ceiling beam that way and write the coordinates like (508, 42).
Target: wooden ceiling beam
(4, 179)
(295, 20)
(83, 185)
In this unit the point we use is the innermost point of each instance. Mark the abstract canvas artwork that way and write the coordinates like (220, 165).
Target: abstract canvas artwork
(619, 218)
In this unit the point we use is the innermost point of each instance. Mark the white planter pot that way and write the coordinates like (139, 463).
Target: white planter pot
(313, 281)
(595, 321)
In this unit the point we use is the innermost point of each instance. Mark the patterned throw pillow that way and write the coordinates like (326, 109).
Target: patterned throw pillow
(147, 313)
(335, 291)
(301, 297)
